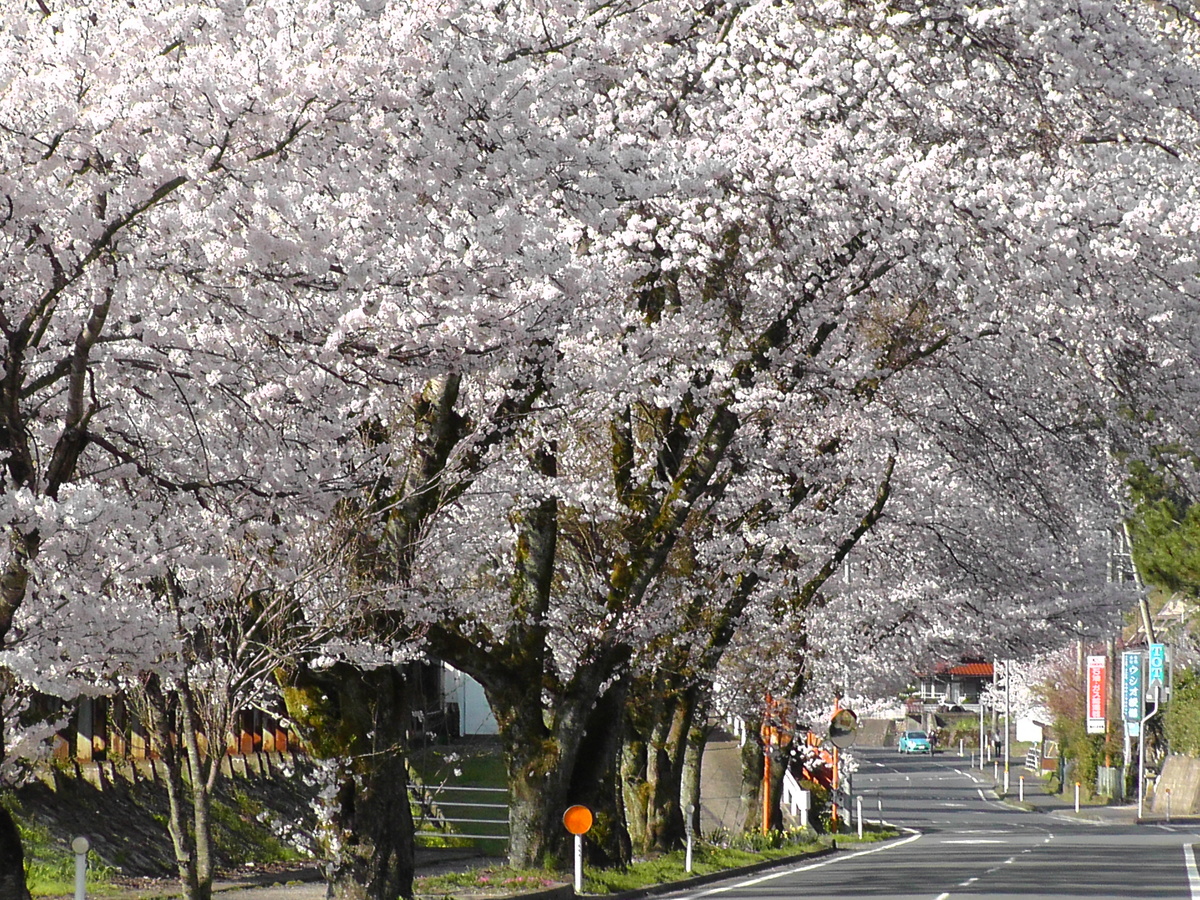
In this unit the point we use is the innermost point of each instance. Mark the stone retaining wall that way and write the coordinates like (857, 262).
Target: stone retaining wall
(1181, 776)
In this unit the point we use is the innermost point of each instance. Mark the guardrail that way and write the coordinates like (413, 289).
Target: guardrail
(443, 814)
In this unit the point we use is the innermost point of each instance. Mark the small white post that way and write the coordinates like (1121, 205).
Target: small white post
(687, 861)
(1168, 793)
(1021, 789)
(960, 747)
(880, 812)
(1077, 796)
(80, 847)
(996, 772)
(579, 863)
(858, 814)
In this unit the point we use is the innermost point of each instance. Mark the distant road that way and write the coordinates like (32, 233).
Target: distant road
(962, 843)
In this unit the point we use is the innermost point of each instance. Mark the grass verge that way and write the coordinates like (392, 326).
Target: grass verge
(50, 867)
(707, 858)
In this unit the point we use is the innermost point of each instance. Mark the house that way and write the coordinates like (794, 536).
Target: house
(952, 685)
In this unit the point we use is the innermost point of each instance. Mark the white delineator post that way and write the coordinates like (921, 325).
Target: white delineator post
(577, 820)
(80, 847)
(1021, 790)
(1077, 796)
(579, 863)
(858, 814)
(687, 823)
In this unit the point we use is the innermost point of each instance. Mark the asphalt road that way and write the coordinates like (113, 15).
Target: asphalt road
(961, 842)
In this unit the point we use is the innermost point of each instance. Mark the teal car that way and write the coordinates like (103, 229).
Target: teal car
(915, 742)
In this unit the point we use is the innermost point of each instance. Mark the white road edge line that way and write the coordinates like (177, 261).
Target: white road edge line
(1189, 858)
(832, 858)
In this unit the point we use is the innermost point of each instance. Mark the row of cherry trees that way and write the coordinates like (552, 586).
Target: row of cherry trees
(608, 351)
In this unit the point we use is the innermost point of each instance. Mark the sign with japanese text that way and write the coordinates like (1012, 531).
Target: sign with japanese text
(1131, 691)
(1095, 694)
(1156, 666)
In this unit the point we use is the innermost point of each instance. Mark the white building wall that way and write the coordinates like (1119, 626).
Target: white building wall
(475, 715)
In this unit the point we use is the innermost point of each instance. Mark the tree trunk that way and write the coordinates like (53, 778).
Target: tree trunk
(158, 709)
(359, 720)
(201, 834)
(653, 766)
(693, 759)
(558, 757)
(539, 759)
(752, 778)
(12, 860)
(595, 781)
(753, 767)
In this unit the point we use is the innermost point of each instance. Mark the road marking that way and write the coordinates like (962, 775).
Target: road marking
(1189, 858)
(987, 831)
(783, 873)
(943, 896)
(972, 841)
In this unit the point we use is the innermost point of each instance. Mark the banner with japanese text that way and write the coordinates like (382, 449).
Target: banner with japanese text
(1095, 694)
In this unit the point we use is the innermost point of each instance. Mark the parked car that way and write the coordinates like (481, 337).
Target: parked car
(915, 742)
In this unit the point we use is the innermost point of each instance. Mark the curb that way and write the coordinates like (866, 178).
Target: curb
(685, 884)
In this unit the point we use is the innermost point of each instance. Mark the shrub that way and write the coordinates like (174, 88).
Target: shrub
(1182, 717)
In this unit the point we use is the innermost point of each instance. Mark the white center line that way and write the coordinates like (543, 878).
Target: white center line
(1189, 858)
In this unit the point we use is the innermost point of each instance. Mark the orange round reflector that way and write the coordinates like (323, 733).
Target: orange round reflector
(577, 819)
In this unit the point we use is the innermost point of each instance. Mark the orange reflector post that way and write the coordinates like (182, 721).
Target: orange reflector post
(577, 819)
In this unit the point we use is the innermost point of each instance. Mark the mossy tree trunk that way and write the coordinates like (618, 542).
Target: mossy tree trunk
(693, 761)
(657, 726)
(357, 721)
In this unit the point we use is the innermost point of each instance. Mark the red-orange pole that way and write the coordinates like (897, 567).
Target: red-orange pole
(833, 815)
(766, 790)
(768, 731)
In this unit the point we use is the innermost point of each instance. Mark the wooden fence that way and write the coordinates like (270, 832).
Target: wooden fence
(105, 728)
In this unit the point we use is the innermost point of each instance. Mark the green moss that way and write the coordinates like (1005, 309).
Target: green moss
(240, 837)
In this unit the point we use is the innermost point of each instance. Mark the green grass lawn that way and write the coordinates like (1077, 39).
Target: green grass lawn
(50, 867)
(668, 867)
(452, 775)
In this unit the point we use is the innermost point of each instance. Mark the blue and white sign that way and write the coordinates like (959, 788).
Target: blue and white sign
(1156, 667)
(1131, 691)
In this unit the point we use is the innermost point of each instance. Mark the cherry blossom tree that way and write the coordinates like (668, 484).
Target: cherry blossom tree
(822, 211)
(578, 307)
(161, 223)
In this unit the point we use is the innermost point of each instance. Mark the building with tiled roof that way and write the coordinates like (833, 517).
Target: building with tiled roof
(952, 685)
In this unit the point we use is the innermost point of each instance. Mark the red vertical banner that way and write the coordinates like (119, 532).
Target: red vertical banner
(1096, 694)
